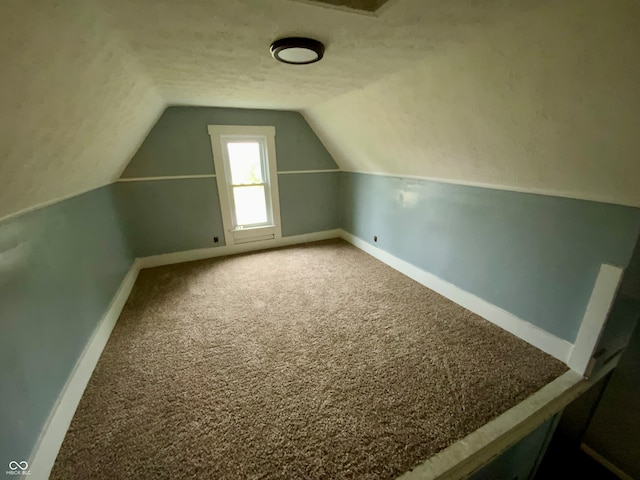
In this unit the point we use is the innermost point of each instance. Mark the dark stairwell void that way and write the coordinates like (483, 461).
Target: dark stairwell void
(604, 419)
(563, 458)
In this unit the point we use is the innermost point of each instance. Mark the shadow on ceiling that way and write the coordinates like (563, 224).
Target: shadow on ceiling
(370, 6)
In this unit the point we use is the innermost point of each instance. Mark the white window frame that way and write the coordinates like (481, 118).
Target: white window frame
(265, 136)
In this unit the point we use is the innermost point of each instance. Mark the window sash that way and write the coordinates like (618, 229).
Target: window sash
(237, 224)
(264, 167)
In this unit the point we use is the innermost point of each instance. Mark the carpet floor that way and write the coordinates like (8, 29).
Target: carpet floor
(313, 361)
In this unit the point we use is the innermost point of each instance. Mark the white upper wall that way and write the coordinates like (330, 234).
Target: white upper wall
(547, 102)
(75, 103)
(527, 95)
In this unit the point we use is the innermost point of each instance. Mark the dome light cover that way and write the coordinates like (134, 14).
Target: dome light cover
(297, 50)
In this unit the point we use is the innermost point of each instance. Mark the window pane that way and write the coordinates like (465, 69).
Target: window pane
(244, 160)
(250, 204)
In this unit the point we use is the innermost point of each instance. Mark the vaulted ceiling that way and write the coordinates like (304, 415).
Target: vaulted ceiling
(536, 96)
(75, 102)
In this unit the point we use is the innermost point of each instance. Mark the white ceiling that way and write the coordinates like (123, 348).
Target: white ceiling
(545, 102)
(75, 103)
(208, 52)
(461, 90)
(362, 5)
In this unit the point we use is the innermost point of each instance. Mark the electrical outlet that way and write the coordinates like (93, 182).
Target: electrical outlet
(215, 240)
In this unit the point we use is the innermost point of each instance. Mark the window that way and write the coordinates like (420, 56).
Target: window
(245, 161)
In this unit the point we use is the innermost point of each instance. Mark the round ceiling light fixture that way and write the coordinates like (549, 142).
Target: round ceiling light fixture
(297, 50)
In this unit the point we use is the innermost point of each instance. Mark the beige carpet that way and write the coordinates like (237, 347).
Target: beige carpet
(311, 362)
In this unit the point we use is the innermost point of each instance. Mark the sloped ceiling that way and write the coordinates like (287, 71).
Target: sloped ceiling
(75, 103)
(498, 92)
(363, 5)
(547, 101)
(216, 52)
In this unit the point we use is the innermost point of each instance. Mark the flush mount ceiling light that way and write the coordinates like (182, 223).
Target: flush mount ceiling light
(297, 50)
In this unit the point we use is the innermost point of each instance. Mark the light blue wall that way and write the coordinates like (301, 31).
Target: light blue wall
(520, 460)
(309, 202)
(535, 256)
(179, 142)
(164, 216)
(60, 266)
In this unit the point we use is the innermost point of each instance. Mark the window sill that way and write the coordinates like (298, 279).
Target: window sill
(254, 234)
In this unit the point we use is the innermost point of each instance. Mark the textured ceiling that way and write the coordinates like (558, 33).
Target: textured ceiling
(364, 5)
(475, 91)
(75, 103)
(547, 101)
(216, 53)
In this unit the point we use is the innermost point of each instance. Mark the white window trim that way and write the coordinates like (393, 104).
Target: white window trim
(251, 234)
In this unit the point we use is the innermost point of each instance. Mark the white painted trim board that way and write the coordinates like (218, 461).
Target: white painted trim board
(49, 203)
(204, 253)
(491, 186)
(172, 177)
(53, 432)
(265, 136)
(479, 448)
(595, 317)
(545, 341)
(48, 445)
(52, 435)
(299, 172)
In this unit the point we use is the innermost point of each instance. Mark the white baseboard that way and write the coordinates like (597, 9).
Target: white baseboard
(48, 445)
(52, 436)
(595, 317)
(469, 454)
(203, 253)
(482, 446)
(545, 341)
